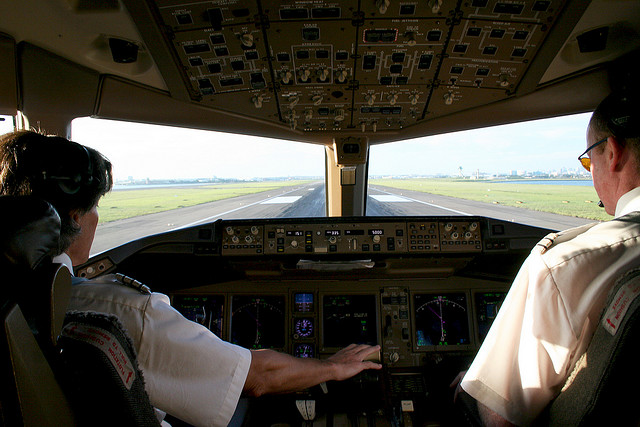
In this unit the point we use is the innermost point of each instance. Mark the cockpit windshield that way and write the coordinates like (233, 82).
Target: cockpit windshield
(178, 177)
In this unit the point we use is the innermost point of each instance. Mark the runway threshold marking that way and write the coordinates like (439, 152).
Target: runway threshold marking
(231, 211)
(390, 198)
(409, 199)
(281, 200)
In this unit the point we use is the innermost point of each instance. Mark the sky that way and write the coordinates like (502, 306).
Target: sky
(162, 152)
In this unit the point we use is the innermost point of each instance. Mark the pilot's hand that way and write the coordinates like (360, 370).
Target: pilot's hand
(456, 384)
(352, 360)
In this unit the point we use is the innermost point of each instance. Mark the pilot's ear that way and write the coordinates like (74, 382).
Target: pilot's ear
(75, 215)
(617, 154)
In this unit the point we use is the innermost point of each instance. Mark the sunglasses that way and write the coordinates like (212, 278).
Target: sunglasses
(586, 160)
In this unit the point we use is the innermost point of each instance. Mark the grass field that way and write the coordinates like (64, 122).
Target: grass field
(571, 200)
(123, 204)
(579, 201)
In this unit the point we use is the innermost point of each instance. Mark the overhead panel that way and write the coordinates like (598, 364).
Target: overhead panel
(366, 66)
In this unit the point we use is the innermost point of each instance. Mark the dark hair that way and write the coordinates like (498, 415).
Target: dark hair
(68, 175)
(619, 115)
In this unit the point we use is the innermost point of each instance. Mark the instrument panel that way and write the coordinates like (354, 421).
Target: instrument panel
(426, 289)
(364, 66)
(408, 318)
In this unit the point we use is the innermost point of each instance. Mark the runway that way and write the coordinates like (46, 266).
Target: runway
(309, 201)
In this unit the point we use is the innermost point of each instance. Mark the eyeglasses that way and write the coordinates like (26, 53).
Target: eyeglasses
(586, 160)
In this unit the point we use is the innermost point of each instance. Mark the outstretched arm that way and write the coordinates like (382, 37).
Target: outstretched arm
(274, 372)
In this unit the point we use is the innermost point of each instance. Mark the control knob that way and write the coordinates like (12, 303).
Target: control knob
(235, 239)
(304, 75)
(285, 77)
(448, 98)
(411, 38)
(257, 101)
(247, 39)
(435, 5)
(308, 115)
(394, 357)
(382, 5)
(323, 73)
(370, 98)
(376, 238)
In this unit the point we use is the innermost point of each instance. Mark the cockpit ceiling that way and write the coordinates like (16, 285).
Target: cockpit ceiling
(353, 65)
(311, 70)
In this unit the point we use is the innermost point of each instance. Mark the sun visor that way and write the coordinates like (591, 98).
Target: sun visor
(8, 77)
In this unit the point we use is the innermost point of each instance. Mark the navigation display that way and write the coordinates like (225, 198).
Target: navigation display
(349, 319)
(258, 321)
(441, 319)
(207, 310)
(487, 306)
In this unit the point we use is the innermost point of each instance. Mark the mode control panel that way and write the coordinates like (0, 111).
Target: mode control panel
(335, 238)
(304, 238)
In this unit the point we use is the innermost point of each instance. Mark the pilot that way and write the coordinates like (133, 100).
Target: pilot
(190, 373)
(549, 316)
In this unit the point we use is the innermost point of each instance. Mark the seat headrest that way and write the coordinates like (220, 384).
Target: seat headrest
(29, 231)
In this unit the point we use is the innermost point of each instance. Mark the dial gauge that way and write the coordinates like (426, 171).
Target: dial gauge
(304, 350)
(303, 328)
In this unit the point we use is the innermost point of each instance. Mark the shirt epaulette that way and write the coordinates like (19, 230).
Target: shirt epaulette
(548, 241)
(133, 283)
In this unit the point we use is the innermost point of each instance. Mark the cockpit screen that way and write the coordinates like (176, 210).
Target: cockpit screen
(206, 310)
(487, 306)
(441, 319)
(258, 321)
(303, 303)
(349, 319)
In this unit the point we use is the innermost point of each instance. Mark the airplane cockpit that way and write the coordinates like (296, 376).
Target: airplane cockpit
(346, 76)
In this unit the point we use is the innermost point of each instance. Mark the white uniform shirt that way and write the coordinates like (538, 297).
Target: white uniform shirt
(189, 372)
(550, 313)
